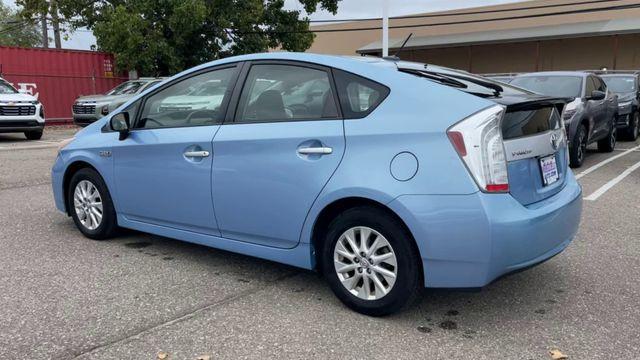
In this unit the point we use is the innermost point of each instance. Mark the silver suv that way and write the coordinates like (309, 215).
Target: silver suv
(87, 109)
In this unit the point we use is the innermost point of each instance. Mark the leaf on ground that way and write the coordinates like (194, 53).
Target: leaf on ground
(162, 355)
(557, 355)
(204, 357)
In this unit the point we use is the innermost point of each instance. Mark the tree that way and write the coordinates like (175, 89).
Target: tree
(43, 10)
(161, 37)
(16, 31)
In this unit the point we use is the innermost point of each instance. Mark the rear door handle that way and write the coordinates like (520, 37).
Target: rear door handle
(196, 154)
(315, 150)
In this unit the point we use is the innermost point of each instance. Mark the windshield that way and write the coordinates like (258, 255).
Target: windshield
(620, 84)
(129, 87)
(5, 88)
(559, 86)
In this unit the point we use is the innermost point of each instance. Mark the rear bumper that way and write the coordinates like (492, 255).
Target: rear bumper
(21, 124)
(467, 241)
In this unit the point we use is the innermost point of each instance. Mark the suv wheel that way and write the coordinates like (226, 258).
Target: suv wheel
(608, 144)
(634, 127)
(90, 205)
(578, 147)
(370, 262)
(33, 135)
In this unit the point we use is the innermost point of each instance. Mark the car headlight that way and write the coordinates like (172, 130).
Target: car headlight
(568, 114)
(105, 110)
(64, 143)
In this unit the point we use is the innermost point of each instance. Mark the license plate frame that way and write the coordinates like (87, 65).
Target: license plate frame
(549, 170)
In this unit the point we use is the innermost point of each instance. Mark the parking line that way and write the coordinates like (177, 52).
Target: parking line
(605, 162)
(604, 188)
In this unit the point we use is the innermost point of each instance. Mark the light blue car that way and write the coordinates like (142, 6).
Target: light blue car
(386, 176)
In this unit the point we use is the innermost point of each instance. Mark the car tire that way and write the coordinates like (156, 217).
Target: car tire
(33, 135)
(384, 294)
(633, 129)
(578, 147)
(608, 144)
(90, 205)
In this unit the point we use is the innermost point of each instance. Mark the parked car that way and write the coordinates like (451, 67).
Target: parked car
(20, 112)
(589, 117)
(407, 176)
(625, 85)
(502, 77)
(87, 109)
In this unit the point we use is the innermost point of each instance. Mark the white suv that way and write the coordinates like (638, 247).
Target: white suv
(20, 112)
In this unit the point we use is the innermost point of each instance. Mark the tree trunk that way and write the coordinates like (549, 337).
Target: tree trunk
(55, 22)
(45, 31)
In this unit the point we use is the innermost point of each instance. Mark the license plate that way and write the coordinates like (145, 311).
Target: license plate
(549, 170)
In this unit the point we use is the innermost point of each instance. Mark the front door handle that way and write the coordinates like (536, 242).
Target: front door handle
(315, 150)
(196, 154)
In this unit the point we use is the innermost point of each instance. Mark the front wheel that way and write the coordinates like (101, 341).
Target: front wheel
(633, 129)
(91, 206)
(370, 262)
(33, 135)
(578, 147)
(608, 144)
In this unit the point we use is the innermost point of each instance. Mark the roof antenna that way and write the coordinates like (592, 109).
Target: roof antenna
(395, 56)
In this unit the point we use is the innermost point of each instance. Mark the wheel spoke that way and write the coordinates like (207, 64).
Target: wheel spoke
(378, 284)
(384, 272)
(351, 282)
(377, 259)
(342, 251)
(365, 233)
(344, 268)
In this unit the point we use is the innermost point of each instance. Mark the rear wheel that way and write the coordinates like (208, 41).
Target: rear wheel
(91, 206)
(370, 262)
(33, 135)
(633, 129)
(578, 147)
(608, 144)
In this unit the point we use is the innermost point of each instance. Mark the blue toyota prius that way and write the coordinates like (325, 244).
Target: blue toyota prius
(386, 176)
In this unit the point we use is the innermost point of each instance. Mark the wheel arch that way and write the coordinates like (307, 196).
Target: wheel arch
(334, 209)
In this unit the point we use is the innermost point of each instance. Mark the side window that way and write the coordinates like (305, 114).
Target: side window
(286, 92)
(600, 85)
(358, 96)
(150, 84)
(591, 86)
(194, 101)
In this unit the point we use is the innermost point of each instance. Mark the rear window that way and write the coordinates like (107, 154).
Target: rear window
(358, 96)
(620, 84)
(559, 86)
(529, 122)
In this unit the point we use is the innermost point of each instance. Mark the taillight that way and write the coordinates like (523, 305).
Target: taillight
(478, 141)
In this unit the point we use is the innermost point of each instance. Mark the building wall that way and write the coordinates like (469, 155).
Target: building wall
(544, 55)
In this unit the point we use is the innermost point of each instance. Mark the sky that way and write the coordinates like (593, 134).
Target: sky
(83, 39)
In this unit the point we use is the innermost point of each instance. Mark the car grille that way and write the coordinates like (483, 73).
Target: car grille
(84, 109)
(17, 110)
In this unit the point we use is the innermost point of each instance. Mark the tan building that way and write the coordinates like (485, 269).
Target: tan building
(591, 35)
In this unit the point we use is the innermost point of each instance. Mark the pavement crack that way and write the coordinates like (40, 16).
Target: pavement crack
(137, 334)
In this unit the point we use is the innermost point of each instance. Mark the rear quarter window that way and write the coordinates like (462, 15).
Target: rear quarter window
(358, 96)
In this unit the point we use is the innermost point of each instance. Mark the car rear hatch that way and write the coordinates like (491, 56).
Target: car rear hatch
(535, 147)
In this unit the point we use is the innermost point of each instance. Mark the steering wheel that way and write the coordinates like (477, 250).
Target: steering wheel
(206, 112)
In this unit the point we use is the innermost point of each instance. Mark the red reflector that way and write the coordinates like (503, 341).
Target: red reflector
(457, 140)
(497, 187)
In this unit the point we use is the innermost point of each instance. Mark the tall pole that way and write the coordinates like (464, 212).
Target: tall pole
(385, 28)
(55, 22)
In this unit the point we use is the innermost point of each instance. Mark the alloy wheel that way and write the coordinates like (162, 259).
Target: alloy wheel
(613, 136)
(88, 204)
(365, 263)
(583, 146)
(635, 126)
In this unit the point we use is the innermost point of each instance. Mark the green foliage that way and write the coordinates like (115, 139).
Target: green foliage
(16, 31)
(161, 37)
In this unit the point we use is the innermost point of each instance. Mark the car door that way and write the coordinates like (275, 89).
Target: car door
(163, 168)
(597, 109)
(282, 145)
(609, 103)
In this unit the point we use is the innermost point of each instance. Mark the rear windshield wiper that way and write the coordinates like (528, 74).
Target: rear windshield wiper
(497, 89)
(436, 77)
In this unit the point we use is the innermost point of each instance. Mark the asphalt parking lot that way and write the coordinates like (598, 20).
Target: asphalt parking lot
(64, 296)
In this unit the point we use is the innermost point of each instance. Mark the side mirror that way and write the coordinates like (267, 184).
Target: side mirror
(120, 123)
(597, 95)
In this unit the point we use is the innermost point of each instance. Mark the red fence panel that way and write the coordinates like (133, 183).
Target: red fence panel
(58, 77)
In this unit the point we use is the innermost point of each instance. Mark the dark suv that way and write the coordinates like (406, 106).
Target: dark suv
(588, 117)
(625, 85)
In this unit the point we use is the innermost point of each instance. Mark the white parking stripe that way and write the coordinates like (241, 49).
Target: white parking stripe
(604, 188)
(605, 162)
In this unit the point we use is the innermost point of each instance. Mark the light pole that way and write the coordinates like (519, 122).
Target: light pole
(385, 28)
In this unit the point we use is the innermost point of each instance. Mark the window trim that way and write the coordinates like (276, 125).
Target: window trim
(232, 113)
(224, 106)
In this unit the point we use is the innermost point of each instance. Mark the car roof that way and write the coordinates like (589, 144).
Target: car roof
(555, 73)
